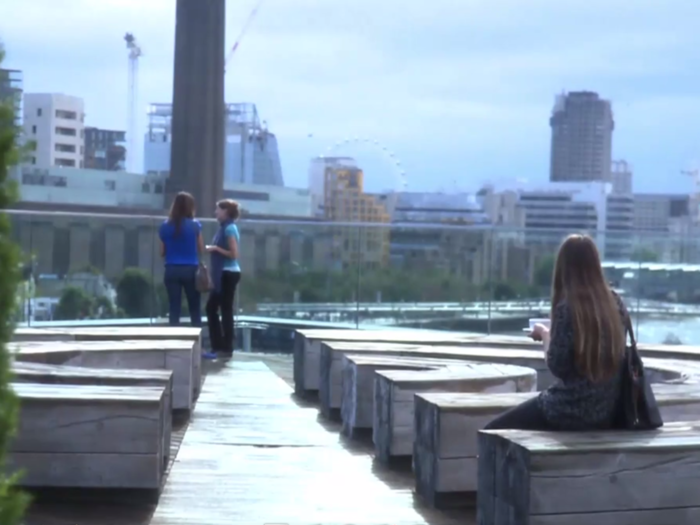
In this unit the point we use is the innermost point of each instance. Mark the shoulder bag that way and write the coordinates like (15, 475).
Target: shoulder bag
(203, 278)
(638, 408)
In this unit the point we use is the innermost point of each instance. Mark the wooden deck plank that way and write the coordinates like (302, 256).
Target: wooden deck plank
(252, 455)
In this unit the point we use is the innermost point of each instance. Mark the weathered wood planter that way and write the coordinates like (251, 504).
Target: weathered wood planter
(89, 436)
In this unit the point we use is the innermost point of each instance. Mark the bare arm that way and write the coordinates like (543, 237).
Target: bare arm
(232, 252)
(200, 244)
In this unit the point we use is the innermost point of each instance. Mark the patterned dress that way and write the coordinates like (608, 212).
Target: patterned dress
(574, 402)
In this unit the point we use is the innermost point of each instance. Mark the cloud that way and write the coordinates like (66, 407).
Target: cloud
(440, 81)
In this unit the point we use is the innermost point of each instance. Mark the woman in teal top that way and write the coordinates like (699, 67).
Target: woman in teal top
(225, 275)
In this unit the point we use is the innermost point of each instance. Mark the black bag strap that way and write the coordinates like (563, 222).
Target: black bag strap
(629, 330)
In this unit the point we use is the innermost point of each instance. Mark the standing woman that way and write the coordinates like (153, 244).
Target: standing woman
(181, 244)
(225, 274)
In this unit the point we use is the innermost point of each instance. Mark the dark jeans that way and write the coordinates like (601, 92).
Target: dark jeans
(221, 331)
(178, 278)
(525, 416)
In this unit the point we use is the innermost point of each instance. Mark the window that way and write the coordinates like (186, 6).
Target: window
(65, 163)
(33, 130)
(68, 132)
(65, 148)
(38, 112)
(33, 160)
(110, 185)
(68, 115)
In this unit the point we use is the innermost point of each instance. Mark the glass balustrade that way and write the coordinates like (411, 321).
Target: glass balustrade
(99, 269)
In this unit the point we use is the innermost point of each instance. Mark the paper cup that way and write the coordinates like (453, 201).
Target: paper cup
(535, 321)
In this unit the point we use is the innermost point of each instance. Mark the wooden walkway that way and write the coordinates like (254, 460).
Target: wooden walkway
(252, 455)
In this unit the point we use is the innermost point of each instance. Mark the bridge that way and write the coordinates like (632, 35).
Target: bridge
(481, 309)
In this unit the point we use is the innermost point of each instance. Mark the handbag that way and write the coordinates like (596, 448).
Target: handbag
(203, 278)
(638, 407)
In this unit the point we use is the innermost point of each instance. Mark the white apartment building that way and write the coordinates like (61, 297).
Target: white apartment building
(542, 214)
(55, 124)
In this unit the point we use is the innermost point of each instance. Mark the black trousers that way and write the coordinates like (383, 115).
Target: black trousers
(221, 329)
(525, 416)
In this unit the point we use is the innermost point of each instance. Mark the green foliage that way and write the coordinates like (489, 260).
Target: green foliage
(386, 285)
(135, 293)
(544, 271)
(13, 503)
(105, 309)
(642, 255)
(75, 303)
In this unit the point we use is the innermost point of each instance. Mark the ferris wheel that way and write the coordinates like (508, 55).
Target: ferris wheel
(401, 183)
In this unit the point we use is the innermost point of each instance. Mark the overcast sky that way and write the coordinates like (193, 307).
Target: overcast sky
(459, 90)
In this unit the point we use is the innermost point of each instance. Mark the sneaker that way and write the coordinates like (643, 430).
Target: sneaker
(210, 355)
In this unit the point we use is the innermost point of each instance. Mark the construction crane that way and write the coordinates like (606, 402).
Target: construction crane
(135, 52)
(243, 32)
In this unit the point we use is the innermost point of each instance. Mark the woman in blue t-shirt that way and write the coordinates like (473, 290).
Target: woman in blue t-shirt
(225, 275)
(181, 244)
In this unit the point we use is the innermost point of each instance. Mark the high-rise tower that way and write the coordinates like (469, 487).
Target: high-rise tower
(582, 127)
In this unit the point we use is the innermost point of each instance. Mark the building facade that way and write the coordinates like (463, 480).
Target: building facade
(317, 178)
(621, 177)
(251, 153)
(54, 123)
(443, 232)
(532, 220)
(582, 128)
(108, 192)
(105, 149)
(346, 202)
(11, 89)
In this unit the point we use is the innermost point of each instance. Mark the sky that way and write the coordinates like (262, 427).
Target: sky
(454, 93)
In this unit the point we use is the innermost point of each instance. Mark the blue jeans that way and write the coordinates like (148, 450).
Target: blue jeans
(178, 278)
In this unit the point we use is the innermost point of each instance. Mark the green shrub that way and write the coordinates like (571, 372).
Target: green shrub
(13, 503)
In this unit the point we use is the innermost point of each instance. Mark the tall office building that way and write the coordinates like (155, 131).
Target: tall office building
(55, 123)
(582, 127)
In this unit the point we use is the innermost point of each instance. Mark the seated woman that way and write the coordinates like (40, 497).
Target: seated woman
(584, 349)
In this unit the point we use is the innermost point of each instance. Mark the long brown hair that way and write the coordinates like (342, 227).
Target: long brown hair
(599, 335)
(182, 208)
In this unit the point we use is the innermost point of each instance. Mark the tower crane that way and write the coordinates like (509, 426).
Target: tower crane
(135, 52)
(243, 32)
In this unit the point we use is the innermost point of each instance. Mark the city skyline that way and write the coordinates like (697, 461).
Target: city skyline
(466, 98)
